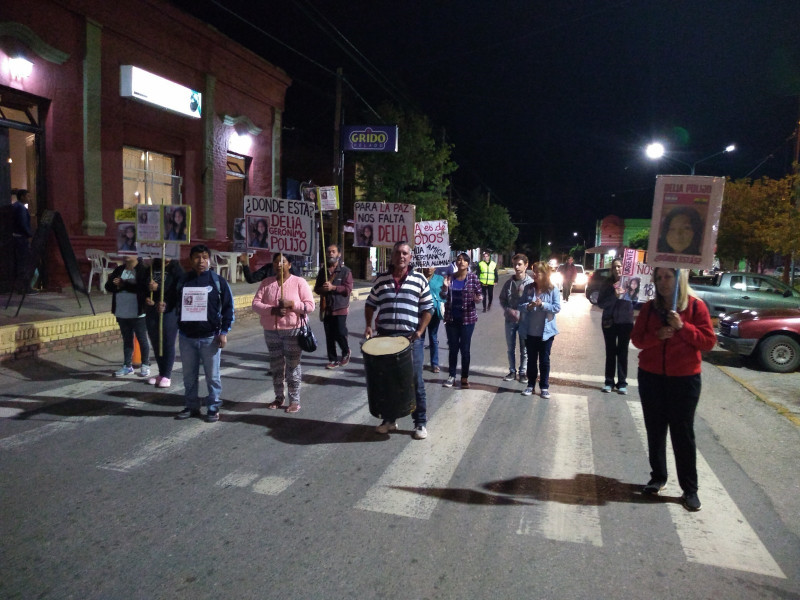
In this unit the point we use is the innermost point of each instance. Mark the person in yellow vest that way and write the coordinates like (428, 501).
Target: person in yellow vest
(487, 274)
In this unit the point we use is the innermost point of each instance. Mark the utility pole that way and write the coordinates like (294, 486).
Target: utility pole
(338, 166)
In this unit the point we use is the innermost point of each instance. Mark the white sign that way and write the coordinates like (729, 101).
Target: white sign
(279, 225)
(194, 303)
(685, 221)
(383, 223)
(148, 223)
(147, 87)
(431, 244)
(328, 198)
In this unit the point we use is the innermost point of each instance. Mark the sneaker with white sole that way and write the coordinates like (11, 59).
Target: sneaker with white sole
(153, 380)
(164, 382)
(144, 371)
(420, 432)
(386, 427)
(527, 391)
(123, 372)
(523, 377)
(622, 390)
(545, 393)
(449, 383)
(606, 389)
(512, 375)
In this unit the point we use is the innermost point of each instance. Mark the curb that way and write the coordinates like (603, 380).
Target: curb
(777, 406)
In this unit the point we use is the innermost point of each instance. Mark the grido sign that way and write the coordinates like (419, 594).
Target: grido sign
(279, 225)
(383, 223)
(431, 244)
(370, 138)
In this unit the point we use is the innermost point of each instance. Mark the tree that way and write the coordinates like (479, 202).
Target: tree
(482, 224)
(416, 174)
(640, 240)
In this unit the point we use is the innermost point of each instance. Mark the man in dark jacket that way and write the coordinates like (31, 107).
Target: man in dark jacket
(21, 238)
(205, 315)
(334, 285)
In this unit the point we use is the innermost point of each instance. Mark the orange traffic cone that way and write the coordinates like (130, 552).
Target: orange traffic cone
(137, 353)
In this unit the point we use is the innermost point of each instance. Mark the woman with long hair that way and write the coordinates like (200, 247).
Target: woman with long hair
(461, 292)
(538, 306)
(681, 231)
(617, 322)
(671, 339)
(260, 237)
(283, 300)
(177, 225)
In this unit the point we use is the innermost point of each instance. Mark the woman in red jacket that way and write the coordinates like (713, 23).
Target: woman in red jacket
(669, 378)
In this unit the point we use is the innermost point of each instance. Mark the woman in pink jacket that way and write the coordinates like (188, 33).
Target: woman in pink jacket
(283, 301)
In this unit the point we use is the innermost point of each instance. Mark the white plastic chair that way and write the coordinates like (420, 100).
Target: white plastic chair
(220, 263)
(99, 262)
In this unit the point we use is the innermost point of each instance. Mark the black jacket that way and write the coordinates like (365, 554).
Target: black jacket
(138, 287)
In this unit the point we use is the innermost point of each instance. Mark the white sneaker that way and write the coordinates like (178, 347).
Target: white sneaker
(123, 372)
(420, 433)
(545, 393)
(527, 391)
(449, 383)
(144, 371)
(386, 427)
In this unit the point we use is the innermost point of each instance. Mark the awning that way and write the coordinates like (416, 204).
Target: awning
(603, 249)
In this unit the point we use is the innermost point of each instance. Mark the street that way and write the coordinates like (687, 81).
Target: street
(105, 495)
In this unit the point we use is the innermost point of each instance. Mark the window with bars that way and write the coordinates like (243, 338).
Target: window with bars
(148, 178)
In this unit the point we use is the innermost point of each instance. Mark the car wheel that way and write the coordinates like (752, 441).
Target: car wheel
(779, 353)
(593, 296)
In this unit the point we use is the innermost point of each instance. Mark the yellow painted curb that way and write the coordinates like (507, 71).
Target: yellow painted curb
(779, 408)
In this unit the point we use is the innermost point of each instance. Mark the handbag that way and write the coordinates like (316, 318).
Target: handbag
(306, 338)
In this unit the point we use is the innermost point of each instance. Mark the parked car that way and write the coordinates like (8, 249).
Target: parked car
(730, 292)
(771, 335)
(779, 272)
(595, 282)
(579, 285)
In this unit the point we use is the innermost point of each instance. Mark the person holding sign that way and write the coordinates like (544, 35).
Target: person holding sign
(671, 335)
(283, 301)
(540, 303)
(462, 292)
(165, 355)
(205, 315)
(681, 231)
(129, 284)
(333, 289)
(617, 323)
(402, 299)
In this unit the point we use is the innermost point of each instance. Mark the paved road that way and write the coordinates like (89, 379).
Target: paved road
(105, 495)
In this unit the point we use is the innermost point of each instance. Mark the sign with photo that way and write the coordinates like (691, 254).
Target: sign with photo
(147, 250)
(431, 244)
(328, 197)
(126, 238)
(686, 211)
(177, 223)
(279, 225)
(148, 223)
(383, 224)
(239, 236)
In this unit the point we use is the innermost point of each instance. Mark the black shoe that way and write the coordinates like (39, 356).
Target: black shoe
(212, 416)
(691, 502)
(653, 487)
(187, 413)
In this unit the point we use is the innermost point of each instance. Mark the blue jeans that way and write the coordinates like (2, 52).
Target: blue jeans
(420, 414)
(433, 339)
(459, 339)
(512, 338)
(539, 350)
(193, 352)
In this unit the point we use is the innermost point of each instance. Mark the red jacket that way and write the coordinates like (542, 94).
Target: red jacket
(679, 355)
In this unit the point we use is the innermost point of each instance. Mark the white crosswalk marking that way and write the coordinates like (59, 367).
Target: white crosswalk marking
(577, 377)
(719, 535)
(559, 519)
(158, 448)
(429, 463)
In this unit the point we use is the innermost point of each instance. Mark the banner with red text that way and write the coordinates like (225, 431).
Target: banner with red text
(431, 244)
(279, 225)
(383, 224)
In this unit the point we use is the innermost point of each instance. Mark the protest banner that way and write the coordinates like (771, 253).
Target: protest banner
(383, 224)
(177, 223)
(148, 224)
(328, 197)
(686, 211)
(279, 225)
(431, 244)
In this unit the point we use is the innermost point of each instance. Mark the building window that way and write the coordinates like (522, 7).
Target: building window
(148, 178)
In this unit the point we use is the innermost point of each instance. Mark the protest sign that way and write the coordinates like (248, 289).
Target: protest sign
(328, 197)
(383, 223)
(686, 211)
(148, 223)
(177, 223)
(279, 225)
(431, 244)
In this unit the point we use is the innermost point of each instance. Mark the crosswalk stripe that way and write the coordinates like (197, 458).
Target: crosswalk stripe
(557, 519)
(719, 535)
(580, 377)
(429, 463)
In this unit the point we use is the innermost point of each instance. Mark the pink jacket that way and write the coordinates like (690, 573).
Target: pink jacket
(269, 293)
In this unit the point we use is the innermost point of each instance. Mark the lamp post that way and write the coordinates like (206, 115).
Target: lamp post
(656, 151)
(578, 236)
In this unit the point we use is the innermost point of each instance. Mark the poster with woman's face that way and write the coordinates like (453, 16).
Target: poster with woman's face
(257, 232)
(364, 237)
(148, 223)
(239, 235)
(126, 238)
(686, 211)
(177, 223)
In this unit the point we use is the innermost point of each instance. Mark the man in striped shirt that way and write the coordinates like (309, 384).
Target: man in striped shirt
(403, 301)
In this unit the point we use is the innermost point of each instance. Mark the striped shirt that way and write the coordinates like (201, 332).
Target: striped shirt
(399, 308)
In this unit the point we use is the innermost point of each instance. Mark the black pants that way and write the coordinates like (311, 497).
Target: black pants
(617, 338)
(336, 333)
(670, 403)
(127, 328)
(488, 295)
(567, 289)
(166, 358)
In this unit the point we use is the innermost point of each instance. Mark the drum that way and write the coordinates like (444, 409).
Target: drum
(390, 377)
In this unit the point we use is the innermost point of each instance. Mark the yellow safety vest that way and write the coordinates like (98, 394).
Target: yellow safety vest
(486, 276)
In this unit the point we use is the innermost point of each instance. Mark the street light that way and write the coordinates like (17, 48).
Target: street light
(577, 236)
(656, 151)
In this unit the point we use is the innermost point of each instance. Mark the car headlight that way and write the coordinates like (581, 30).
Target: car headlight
(734, 329)
(581, 279)
(556, 279)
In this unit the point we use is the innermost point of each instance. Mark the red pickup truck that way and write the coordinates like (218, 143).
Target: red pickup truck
(772, 335)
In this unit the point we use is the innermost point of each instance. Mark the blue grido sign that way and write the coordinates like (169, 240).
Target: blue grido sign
(369, 138)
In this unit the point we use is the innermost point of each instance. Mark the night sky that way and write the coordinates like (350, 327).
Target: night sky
(548, 104)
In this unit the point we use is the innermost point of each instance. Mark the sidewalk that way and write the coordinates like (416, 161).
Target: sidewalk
(49, 322)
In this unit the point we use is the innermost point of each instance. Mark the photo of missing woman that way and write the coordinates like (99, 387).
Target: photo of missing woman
(239, 235)
(257, 229)
(681, 231)
(126, 238)
(363, 237)
(176, 223)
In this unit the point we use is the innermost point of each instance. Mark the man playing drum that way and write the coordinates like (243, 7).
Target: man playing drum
(403, 301)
